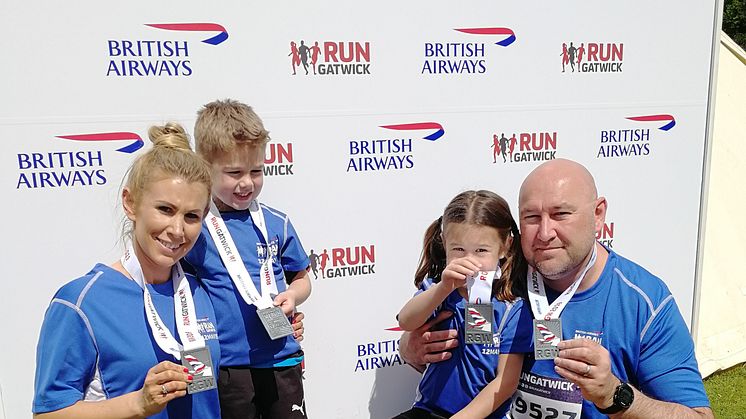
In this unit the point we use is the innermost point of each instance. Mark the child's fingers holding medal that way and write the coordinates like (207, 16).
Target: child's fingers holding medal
(297, 323)
(286, 301)
(456, 272)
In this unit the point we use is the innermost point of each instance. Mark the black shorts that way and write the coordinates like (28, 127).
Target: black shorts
(418, 413)
(261, 393)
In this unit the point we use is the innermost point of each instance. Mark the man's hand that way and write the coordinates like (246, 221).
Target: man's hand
(422, 346)
(588, 365)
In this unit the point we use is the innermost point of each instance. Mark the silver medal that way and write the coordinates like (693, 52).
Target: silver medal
(547, 335)
(479, 319)
(199, 363)
(275, 322)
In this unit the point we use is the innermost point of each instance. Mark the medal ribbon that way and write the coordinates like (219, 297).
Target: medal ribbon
(233, 262)
(184, 310)
(479, 286)
(538, 296)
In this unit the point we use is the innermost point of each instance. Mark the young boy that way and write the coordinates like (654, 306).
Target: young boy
(254, 268)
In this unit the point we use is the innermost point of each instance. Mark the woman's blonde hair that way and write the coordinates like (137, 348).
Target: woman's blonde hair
(170, 156)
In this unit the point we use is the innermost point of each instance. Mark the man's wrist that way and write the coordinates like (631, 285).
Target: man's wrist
(608, 400)
(622, 399)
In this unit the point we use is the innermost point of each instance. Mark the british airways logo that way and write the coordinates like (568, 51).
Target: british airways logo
(196, 27)
(669, 120)
(420, 126)
(159, 57)
(465, 56)
(60, 169)
(633, 140)
(136, 144)
(391, 153)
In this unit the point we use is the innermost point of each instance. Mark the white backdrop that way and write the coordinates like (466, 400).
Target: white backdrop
(63, 75)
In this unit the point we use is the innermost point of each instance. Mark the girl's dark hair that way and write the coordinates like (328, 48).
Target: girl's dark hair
(483, 208)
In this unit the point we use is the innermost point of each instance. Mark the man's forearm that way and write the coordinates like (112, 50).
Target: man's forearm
(645, 407)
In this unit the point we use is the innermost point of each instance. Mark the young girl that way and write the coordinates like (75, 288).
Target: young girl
(475, 239)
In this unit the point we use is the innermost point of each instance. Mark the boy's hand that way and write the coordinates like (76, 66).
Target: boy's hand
(297, 323)
(455, 274)
(286, 301)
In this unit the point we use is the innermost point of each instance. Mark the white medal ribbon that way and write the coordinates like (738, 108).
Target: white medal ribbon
(233, 262)
(538, 296)
(479, 286)
(184, 310)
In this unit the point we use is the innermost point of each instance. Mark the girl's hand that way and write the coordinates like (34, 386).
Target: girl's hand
(164, 382)
(455, 274)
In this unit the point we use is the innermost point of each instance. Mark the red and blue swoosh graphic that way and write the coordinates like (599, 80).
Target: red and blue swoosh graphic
(669, 119)
(110, 136)
(420, 126)
(195, 27)
(506, 32)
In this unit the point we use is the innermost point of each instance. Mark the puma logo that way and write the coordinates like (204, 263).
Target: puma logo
(295, 407)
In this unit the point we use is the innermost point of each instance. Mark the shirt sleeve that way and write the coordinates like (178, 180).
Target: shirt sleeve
(293, 258)
(65, 358)
(667, 368)
(517, 332)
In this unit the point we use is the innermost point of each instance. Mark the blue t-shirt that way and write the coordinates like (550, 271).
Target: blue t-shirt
(634, 316)
(448, 386)
(243, 339)
(96, 343)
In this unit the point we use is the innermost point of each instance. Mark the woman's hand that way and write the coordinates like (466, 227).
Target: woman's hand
(164, 382)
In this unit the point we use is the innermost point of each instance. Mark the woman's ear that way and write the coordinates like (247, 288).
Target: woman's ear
(128, 204)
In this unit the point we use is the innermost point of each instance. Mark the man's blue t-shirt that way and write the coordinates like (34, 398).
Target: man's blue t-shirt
(96, 344)
(634, 316)
(448, 386)
(243, 339)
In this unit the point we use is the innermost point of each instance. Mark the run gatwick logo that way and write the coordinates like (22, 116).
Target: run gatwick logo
(330, 58)
(592, 57)
(77, 168)
(159, 57)
(278, 159)
(632, 139)
(342, 262)
(392, 152)
(527, 146)
(465, 54)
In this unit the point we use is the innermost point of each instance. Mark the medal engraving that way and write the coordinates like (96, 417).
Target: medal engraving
(479, 319)
(199, 363)
(275, 322)
(547, 335)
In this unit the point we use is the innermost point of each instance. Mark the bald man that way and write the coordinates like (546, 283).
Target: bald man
(608, 336)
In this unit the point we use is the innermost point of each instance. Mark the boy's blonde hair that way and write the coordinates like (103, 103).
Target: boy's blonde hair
(224, 125)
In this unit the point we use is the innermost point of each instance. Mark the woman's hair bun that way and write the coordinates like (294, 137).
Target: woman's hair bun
(171, 135)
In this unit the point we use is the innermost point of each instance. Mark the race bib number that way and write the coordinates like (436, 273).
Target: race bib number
(540, 397)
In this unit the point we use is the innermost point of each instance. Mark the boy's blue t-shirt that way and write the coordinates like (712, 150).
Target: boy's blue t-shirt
(448, 386)
(96, 344)
(243, 339)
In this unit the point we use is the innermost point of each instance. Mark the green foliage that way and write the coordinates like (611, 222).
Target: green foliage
(725, 390)
(734, 20)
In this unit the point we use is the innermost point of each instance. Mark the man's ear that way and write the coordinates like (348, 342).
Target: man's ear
(128, 204)
(599, 213)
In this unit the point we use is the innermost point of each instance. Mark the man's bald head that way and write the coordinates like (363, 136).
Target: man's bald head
(561, 173)
(560, 213)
